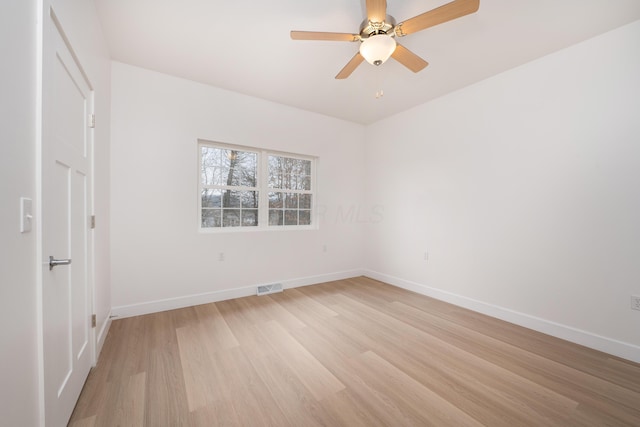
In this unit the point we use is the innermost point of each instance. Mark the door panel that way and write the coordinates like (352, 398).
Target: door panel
(80, 315)
(66, 208)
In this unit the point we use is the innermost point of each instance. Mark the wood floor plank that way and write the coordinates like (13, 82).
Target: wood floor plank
(504, 409)
(292, 398)
(622, 372)
(472, 396)
(220, 413)
(365, 400)
(352, 408)
(197, 371)
(166, 399)
(587, 388)
(589, 416)
(458, 362)
(126, 404)
(214, 326)
(316, 377)
(241, 320)
(84, 422)
(238, 382)
(339, 336)
(131, 349)
(428, 406)
(355, 352)
(93, 394)
(302, 306)
(268, 309)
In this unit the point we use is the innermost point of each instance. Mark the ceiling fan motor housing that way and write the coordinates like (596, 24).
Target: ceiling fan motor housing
(368, 28)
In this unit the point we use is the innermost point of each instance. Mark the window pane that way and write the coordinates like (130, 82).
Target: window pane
(210, 162)
(211, 217)
(249, 199)
(290, 217)
(274, 171)
(305, 183)
(242, 168)
(305, 201)
(231, 217)
(228, 167)
(291, 201)
(305, 218)
(275, 217)
(211, 198)
(276, 200)
(231, 199)
(298, 182)
(211, 175)
(249, 217)
(289, 174)
(302, 171)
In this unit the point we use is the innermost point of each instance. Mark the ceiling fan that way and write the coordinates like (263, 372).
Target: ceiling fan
(378, 30)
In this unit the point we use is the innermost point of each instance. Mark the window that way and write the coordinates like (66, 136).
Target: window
(246, 188)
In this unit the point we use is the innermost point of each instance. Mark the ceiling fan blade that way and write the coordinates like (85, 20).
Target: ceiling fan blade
(408, 58)
(351, 66)
(315, 35)
(376, 10)
(436, 16)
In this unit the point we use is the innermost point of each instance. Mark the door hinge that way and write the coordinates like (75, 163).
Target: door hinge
(93, 320)
(93, 221)
(92, 121)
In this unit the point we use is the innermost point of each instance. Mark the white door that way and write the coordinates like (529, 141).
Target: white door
(67, 101)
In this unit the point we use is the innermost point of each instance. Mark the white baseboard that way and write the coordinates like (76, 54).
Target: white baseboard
(614, 347)
(215, 296)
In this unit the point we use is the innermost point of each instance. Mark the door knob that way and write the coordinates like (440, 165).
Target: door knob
(54, 262)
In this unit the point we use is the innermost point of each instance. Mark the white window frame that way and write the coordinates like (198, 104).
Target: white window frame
(263, 189)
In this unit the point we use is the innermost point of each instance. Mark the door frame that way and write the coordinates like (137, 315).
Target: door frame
(47, 23)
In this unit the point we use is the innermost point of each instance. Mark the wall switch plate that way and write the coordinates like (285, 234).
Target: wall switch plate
(26, 215)
(635, 302)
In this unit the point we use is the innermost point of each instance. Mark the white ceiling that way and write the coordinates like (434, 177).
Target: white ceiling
(244, 46)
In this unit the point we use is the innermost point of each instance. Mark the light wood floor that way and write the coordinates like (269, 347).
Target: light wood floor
(349, 353)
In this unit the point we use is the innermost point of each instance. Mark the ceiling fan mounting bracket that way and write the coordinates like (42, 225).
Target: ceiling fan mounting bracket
(369, 28)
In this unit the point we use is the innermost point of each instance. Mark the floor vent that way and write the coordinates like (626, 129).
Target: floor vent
(269, 289)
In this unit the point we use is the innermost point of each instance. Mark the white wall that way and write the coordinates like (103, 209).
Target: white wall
(157, 251)
(18, 326)
(525, 191)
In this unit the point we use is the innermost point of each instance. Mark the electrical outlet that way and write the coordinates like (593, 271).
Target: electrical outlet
(221, 256)
(635, 302)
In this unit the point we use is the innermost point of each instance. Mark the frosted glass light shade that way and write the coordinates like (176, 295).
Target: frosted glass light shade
(377, 48)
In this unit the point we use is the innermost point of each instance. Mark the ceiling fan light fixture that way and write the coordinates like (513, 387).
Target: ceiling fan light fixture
(377, 48)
